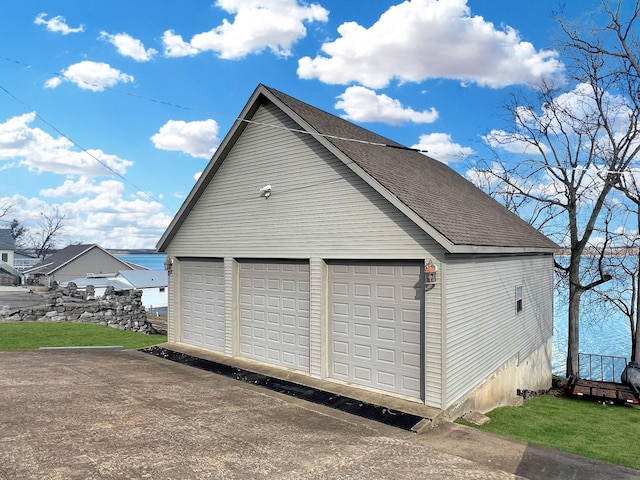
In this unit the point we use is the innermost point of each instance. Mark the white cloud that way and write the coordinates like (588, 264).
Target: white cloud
(88, 75)
(57, 24)
(421, 39)
(129, 46)
(40, 152)
(512, 143)
(442, 148)
(579, 108)
(83, 185)
(257, 25)
(102, 215)
(571, 113)
(175, 46)
(364, 105)
(198, 139)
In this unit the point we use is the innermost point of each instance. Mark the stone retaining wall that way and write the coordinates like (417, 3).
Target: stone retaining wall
(125, 312)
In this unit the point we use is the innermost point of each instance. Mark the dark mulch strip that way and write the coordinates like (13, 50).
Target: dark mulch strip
(377, 413)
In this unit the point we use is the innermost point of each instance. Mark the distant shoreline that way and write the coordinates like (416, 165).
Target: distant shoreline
(609, 252)
(133, 251)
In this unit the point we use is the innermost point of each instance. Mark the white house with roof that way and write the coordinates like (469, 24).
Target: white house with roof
(315, 247)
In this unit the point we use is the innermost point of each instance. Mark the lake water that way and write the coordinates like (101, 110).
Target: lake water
(599, 334)
(154, 261)
(603, 336)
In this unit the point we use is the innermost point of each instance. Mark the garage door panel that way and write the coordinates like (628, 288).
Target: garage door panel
(303, 305)
(362, 373)
(202, 317)
(376, 325)
(385, 292)
(387, 379)
(340, 370)
(363, 352)
(275, 295)
(386, 355)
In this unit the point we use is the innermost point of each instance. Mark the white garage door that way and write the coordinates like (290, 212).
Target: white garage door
(203, 317)
(376, 323)
(274, 313)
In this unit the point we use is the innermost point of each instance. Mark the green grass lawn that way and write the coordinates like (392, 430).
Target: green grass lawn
(33, 335)
(603, 432)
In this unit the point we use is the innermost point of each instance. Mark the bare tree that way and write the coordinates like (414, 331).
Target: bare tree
(19, 233)
(51, 224)
(614, 52)
(624, 293)
(5, 208)
(578, 141)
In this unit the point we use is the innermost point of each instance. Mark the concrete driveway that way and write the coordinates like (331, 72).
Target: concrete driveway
(83, 414)
(117, 414)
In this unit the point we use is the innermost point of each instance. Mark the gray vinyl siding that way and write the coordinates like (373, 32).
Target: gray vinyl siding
(318, 207)
(317, 314)
(173, 293)
(433, 342)
(231, 282)
(483, 329)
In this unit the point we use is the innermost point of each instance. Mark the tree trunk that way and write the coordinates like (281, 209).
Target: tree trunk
(573, 330)
(573, 340)
(635, 338)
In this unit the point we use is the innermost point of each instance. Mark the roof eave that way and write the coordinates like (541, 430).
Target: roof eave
(39, 267)
(502, 250)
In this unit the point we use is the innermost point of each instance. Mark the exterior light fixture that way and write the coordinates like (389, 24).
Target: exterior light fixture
(430, 271)
(266, 191)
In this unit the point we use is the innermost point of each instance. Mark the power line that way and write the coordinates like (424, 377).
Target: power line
(114, 90)
(84, 150)
(207, 112)
(334, 137)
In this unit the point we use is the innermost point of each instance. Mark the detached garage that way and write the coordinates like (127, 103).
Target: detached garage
(313, 246)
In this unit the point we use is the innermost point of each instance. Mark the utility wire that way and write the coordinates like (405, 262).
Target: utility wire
(84, 150)
(206, 112)
(327, 135)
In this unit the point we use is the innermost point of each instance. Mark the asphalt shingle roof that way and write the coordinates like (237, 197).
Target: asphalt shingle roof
(444, 199)
(58, 259)
(449, 204)
(6, 239)
(61, 257)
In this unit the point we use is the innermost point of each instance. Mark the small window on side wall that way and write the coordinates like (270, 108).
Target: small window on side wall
(5, 257)
(518, 298)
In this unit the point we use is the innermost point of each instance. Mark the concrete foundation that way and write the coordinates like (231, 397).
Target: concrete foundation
(532, 373)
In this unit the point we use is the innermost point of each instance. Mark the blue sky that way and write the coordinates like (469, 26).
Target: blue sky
(110, 109)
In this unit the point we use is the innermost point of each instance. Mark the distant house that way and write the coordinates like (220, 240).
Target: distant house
(7, 246)
(9, 276)
(76, 261)
(23, 261)
(314, 246)
(152, 283)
